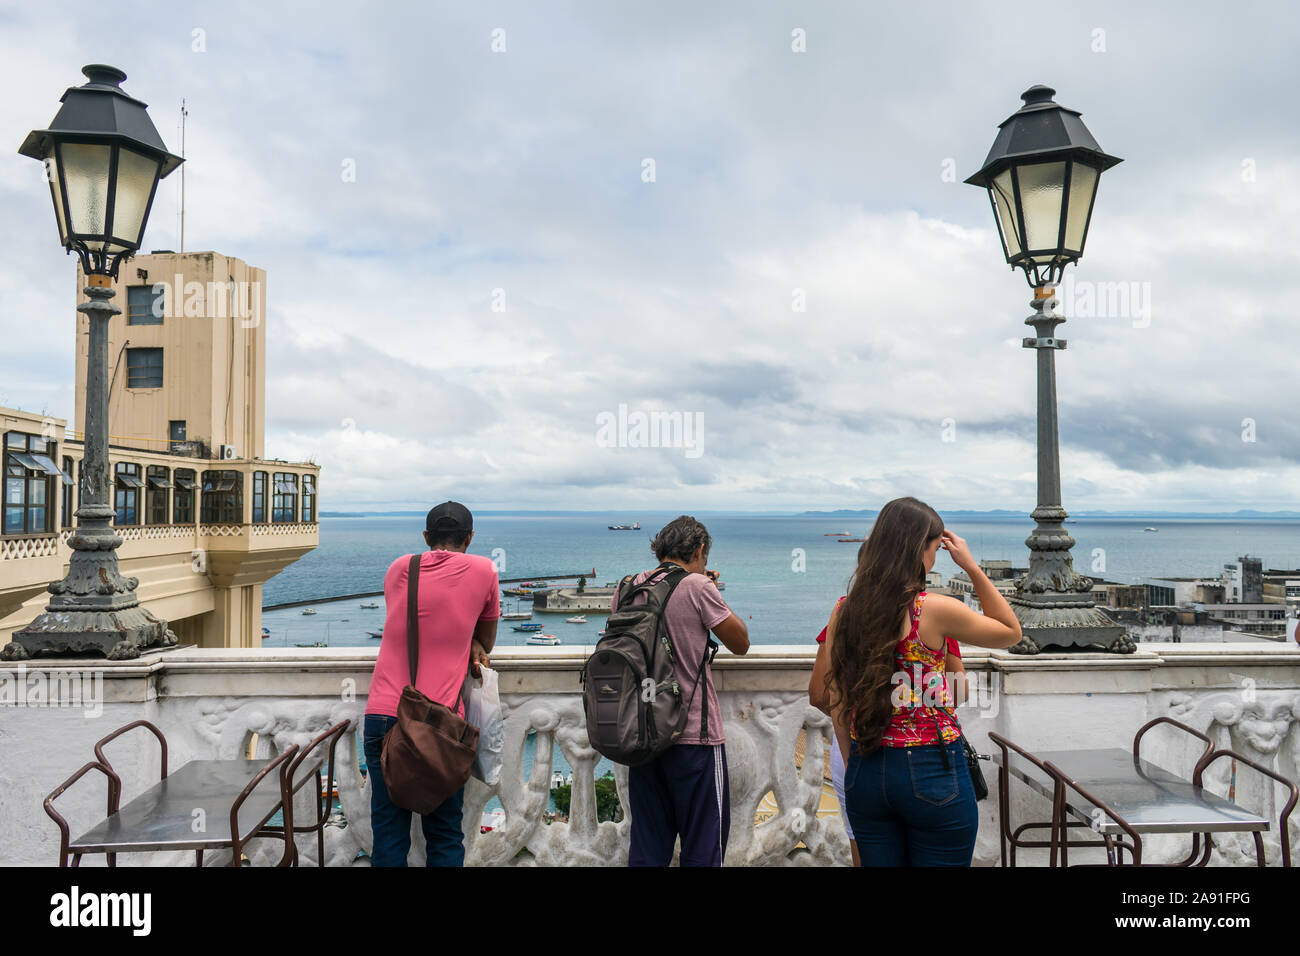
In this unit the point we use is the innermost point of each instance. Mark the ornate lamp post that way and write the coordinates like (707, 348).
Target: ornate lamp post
(1041, 175)
(103, 158)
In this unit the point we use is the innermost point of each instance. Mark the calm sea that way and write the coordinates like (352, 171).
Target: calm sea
(782, 574)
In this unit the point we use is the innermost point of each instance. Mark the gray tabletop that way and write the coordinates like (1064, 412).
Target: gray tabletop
(190, 809)
(1150, 799)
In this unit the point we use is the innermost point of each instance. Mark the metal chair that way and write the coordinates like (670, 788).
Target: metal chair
(1284, 833)
(324, 801)
(284, 761)
(65, 835)
(115, 781)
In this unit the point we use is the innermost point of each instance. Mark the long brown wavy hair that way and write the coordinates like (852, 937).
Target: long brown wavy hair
(889, 576)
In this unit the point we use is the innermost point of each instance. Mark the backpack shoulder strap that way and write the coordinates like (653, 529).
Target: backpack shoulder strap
(413, 615)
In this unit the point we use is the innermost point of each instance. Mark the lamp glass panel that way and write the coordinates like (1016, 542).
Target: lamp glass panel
(1083, 183)
(52, 174)
(1005, 204)
(1042, 187)
(136, 175)
(85, 176)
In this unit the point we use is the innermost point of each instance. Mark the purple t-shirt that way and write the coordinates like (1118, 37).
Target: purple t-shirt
(695, 608)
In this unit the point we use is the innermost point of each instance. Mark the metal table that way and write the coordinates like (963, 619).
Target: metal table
(196, 807)
(1117, 794)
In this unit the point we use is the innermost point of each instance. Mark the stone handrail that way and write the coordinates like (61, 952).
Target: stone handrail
(215, 702)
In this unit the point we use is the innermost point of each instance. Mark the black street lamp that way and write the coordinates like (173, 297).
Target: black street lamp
(1042, 175)
(103, 158)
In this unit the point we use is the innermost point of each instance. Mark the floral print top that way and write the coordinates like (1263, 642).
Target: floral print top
(919, 689)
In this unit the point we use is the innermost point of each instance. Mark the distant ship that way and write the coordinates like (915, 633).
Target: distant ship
(1150, 529)
(625, 527)
(547, 639)
(370, 605)
(529, 627)
(836, 534)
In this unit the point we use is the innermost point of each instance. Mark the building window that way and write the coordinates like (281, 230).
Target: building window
(223, 497)
(285, 502)
(175, 436)
(126, 492)
(144, 368)
(69, 492)
(183, 497)
(308, 497)
(259, 497)
(158, 485)
(144, 306)
(29, 473)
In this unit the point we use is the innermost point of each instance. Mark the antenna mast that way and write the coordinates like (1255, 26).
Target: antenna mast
(184, 113)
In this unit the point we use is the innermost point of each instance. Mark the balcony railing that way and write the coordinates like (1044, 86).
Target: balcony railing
(215, 703)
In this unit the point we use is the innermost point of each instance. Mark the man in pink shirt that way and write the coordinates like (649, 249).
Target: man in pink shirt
(458, 612)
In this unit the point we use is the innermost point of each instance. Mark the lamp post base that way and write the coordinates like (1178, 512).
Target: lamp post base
(118, 635)
(1069, 621)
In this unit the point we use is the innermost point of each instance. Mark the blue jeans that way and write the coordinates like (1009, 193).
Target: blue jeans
(908, 809)
(444, 843)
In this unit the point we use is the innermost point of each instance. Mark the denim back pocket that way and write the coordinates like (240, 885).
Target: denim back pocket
(931, 783)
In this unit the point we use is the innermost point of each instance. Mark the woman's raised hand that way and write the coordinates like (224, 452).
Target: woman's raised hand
(958, 550)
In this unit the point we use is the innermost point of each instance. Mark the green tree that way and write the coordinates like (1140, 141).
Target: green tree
(607, 803)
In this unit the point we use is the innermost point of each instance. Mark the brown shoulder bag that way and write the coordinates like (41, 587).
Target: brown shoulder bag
(428, 753)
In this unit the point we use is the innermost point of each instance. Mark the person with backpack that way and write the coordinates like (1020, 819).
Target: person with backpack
(651, 703)
(456, 607)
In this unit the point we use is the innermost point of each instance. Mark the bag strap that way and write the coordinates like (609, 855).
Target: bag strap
(413, 627)
(413, 615)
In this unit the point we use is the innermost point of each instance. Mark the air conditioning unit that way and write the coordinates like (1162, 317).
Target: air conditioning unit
(228, 452)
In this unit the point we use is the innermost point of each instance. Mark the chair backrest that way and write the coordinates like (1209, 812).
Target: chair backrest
(115, 779)
(282, 762)
(65, 835)
(330, 737)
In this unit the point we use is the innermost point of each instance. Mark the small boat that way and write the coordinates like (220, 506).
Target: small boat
(529, 627)
(375, 634)
(601, 632)
(309, 610)
(1150, 529)
(370, 606)
(517, 616)
(722, 585)
(836, 534)
(313, 644)
(489, 820)
(580, 619)
(549, 640)
(266, 632)
(625, 527)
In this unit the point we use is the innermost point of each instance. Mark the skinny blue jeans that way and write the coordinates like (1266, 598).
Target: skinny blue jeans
(908, 809)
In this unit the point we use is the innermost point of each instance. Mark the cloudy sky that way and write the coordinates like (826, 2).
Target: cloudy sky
(559, 209)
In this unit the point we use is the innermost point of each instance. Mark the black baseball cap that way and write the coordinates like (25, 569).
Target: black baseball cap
(449, 517)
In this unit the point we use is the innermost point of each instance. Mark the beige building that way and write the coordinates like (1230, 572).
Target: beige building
(205, 519)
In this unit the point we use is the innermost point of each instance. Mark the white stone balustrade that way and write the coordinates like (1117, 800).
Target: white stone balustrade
(209, 703)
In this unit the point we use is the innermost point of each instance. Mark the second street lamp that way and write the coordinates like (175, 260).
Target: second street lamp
(103, 159)
(1041, 175)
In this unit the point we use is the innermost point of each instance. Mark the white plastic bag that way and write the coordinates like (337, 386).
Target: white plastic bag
(483, 710)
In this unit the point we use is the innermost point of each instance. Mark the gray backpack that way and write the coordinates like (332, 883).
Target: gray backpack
(634, 706)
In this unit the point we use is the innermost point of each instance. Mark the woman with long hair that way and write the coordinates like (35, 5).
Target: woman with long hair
(908, 792)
